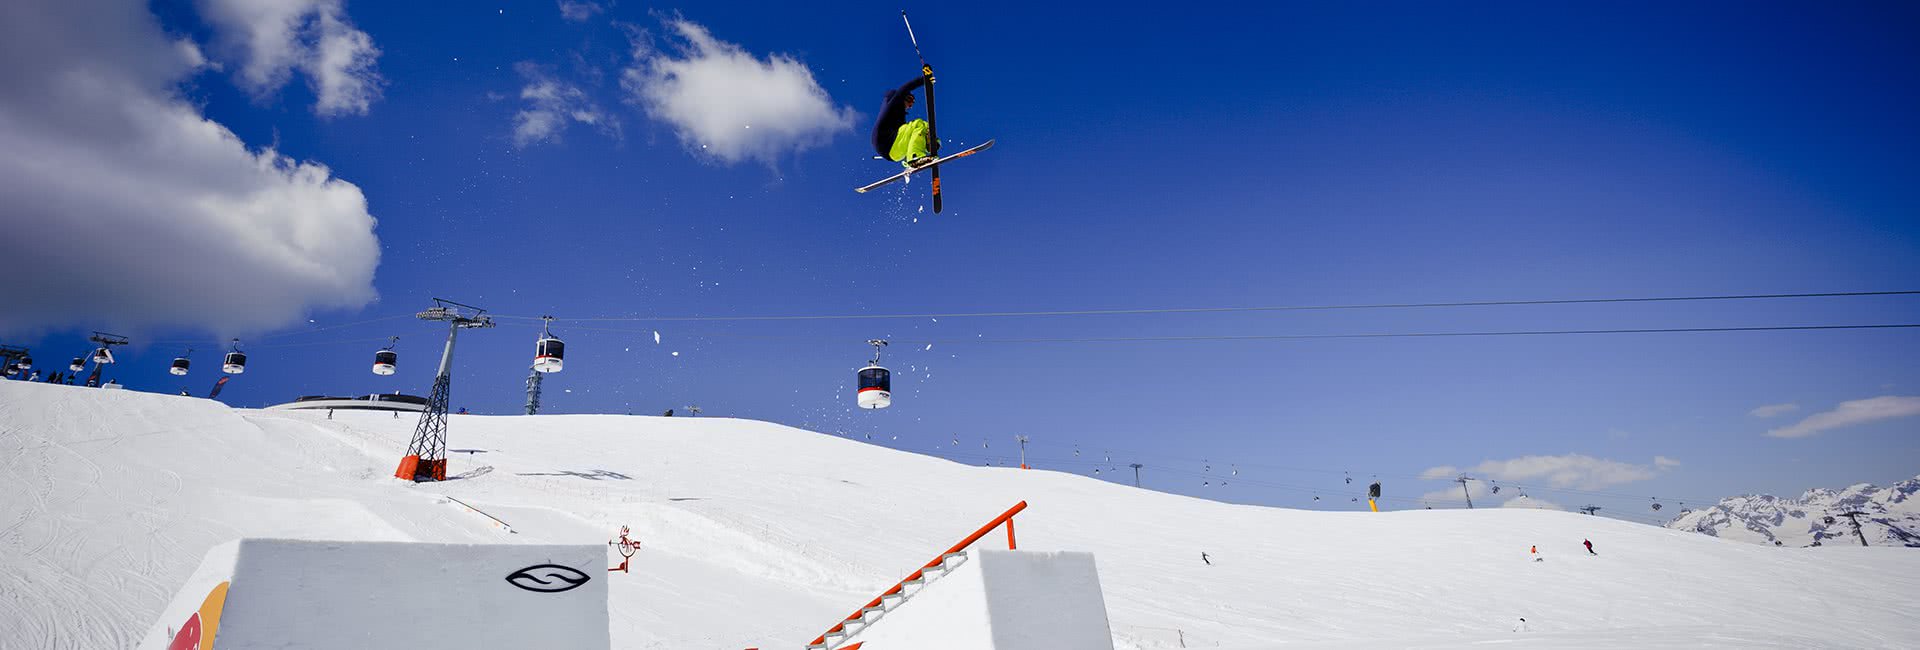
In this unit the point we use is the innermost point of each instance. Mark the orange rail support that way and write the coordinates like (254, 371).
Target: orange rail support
(1004, 518)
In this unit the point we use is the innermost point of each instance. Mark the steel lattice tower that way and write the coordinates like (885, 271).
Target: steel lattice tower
(426, 458)
(533, 391)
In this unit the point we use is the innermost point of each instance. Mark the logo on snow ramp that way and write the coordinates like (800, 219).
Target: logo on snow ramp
(547, 578)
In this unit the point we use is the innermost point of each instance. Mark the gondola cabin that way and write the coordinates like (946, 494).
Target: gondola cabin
(180, 365)
(25, 363)
(876, 388)
(385, 362)
(103, 355)
(236, 363)
(78, 364)
(549, 354)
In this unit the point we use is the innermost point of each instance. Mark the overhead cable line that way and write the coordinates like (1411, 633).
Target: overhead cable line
(1210, 310)
(1302, 337)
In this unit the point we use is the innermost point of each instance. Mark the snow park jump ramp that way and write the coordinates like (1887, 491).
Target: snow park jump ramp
(269, 593)
(759, 535)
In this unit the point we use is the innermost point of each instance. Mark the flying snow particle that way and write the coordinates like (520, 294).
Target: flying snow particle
(676, 354)
(929, 347)
(656, 337)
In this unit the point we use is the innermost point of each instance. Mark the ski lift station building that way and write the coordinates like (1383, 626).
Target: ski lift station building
(375, 402)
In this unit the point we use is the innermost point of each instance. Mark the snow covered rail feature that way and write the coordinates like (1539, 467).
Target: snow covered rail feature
(875, 608)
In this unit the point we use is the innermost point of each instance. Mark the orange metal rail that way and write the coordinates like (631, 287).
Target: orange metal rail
(1004, 518)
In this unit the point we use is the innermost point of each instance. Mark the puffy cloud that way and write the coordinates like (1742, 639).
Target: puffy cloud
(126, 208)
(579, 11)
(1577, 471)
(1531, 502)
(727, 104)
(1771, 410)
(551, 106)
(273, 38)
(1856, 412)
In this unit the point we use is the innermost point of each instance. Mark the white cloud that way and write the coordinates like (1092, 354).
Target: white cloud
(552, 105)
(1576, 471)
(579, 10)
(1531, 502)
(1860, 411)
(126, 208)
(275, 38)
(1771, 410)
(727, 104)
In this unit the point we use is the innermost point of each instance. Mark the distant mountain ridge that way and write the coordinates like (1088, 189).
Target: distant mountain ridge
(1892, 517)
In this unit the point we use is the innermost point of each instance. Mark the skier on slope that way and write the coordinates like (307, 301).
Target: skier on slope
(901, 140)
(1589, 544)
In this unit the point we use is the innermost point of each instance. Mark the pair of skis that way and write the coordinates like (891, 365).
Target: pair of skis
(933, 133)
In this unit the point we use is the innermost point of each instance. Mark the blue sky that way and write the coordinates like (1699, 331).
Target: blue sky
(1290, 154)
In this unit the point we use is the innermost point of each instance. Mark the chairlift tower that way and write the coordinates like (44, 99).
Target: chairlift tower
(105, 355)
(1463, 488)
(533, 389)
(10, 355)
(1852, 516)
(426, 458)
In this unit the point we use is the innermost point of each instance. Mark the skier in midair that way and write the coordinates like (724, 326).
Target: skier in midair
(898, 139)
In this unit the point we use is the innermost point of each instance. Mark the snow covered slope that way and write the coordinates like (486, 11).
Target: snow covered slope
(1892, 517)
(755, 534)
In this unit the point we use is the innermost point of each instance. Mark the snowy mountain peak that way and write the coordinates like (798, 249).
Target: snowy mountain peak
(1817, 518)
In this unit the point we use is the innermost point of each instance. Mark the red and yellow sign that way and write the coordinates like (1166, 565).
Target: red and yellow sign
(197, 633)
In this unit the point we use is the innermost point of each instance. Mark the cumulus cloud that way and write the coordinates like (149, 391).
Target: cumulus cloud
(1531, 502)
(552, 105)
(1856, 412)
(579, 11)
(1771, 410)
(727, 104)
(274, 39)
(1576, 471)
(126, 208)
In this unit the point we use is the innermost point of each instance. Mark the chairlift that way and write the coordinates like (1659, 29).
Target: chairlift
(385, 361)
(875, 390)
(548, 353)
(236, 361)
(181, 364)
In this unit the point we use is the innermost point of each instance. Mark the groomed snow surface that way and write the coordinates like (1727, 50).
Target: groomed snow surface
(760, 535)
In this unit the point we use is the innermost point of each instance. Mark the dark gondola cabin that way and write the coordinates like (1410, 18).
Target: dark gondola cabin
(79, 364)
(180, 365)
(549, 353)
(25, 363)
(103, 355)
(876, 388)
(236, 363)
(385, 362)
